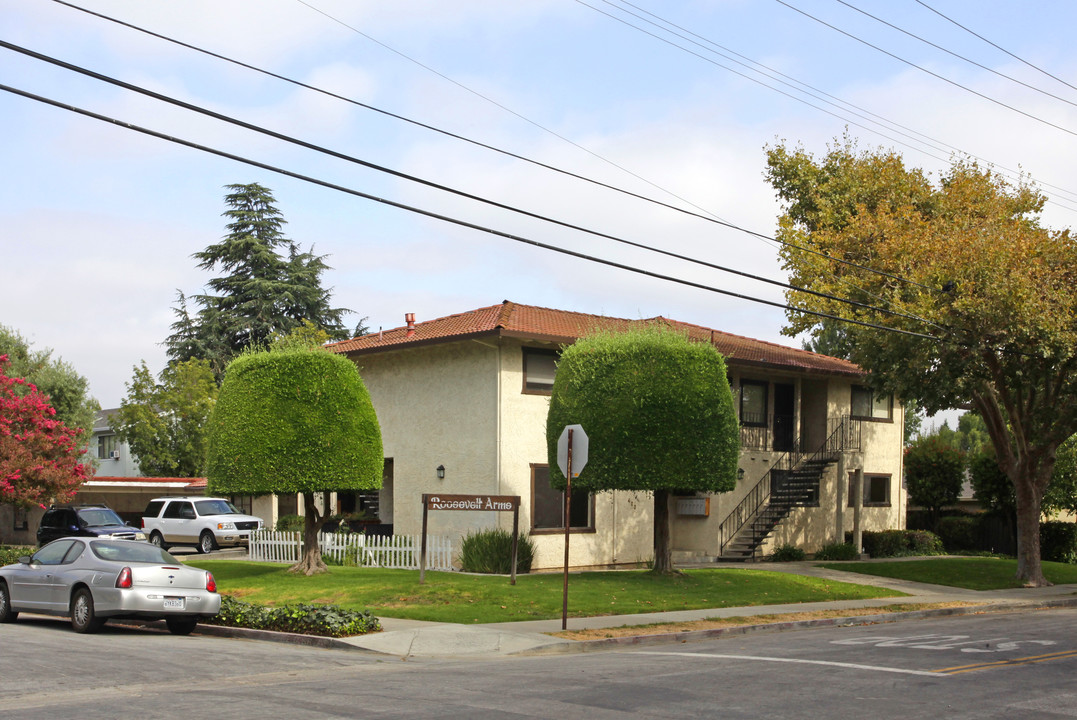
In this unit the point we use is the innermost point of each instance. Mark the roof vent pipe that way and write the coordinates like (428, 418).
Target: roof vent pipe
(409, 318)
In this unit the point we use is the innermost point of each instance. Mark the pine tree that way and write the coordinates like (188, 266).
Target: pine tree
(269, 286)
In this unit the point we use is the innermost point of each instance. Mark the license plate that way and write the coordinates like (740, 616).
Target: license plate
(173, 603)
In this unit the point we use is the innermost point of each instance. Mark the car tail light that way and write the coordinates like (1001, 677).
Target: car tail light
(211, 584)
(124, 580)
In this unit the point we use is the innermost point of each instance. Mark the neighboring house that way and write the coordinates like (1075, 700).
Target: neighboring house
(117, 483)
(462, 402)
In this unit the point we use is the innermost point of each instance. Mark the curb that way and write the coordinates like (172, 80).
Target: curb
(678, 638)
(585, 646)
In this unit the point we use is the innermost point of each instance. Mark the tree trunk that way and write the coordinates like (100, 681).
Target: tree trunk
(311, 562)
(663, 552)
(1029, 568)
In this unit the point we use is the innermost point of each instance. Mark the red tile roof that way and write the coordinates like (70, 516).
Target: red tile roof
(528, 322)
(193, 483)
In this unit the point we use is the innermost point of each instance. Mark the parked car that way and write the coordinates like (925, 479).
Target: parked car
(84, 521)
(92, 580)
(205, 523)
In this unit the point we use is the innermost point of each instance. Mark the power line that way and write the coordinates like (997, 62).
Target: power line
(811, 91)
(707, 217)
(413, 178)
(952, 53)
(997, 47)
(925, 70)
(446, 218)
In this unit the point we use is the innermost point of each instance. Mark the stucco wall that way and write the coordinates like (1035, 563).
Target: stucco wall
(809, 528)
(437, 406)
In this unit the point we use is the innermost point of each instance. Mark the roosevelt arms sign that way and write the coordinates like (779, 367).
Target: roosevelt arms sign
(491, 503)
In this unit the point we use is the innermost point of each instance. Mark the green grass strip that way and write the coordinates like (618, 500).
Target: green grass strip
(460, 598)
(970, 573)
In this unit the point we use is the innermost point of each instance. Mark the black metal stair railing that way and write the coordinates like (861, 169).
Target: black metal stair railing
(798, 475)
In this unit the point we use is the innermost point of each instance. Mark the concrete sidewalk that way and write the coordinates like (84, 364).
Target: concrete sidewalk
(412, 638)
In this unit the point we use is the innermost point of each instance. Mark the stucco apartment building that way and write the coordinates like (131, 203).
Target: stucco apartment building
(462, 401)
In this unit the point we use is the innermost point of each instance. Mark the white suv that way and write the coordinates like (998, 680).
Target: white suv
(205, 523)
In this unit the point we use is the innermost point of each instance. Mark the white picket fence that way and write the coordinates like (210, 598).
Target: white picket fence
(384, 551)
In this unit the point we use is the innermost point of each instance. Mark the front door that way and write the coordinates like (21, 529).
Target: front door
(784, 417)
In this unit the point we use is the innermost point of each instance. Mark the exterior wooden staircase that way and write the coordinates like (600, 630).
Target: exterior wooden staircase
(791, 482)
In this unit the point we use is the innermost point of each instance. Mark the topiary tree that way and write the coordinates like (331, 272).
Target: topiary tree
(658, 413)
(934, 473)
(294, 421)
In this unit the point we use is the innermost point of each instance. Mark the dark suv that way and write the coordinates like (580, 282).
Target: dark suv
(85, 521)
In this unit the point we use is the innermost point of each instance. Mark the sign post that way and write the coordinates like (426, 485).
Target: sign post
(573, 439)
(492, 503)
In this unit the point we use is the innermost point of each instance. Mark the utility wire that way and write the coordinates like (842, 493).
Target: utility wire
(925, 70)
(844, 105)
(447, 218)
(997, 47)
(437, 186)
(952, 53)
(706, 217)
(499, 105)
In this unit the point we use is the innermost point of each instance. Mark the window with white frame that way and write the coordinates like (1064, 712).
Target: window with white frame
(106, 446)
(869, 404)
(876, 490)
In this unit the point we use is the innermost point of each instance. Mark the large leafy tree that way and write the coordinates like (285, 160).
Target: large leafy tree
(294, 420)
(67, 391)
(658, 413)
(163, 421)
(40, 457)
(832, 339)
(964, 260)
(268, 286)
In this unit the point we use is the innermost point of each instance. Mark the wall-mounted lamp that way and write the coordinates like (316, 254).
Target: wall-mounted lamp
(740, 474)
(441, 472)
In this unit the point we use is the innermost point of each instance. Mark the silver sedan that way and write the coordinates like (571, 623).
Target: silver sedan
(91, 580)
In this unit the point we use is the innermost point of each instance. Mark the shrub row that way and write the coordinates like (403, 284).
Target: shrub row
(1058, 541)
(490, 551)
(901, 543)
(324, 620)
(837, 551)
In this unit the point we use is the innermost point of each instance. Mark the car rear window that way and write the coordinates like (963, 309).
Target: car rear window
(131, 552)
(98, 517)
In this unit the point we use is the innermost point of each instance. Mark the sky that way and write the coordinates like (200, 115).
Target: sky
(675, 102)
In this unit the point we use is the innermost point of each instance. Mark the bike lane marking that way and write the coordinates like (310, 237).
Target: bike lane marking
(801, 661)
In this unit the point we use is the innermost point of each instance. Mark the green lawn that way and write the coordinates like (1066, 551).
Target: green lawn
(972, 573)
(459, 598)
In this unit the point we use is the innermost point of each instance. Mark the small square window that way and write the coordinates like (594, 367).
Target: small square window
(540, 367)
(753, 403)
(876, 490)
(868, 404)
(548, 504)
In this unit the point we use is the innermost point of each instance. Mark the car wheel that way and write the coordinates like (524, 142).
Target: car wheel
(157, 539)
(83, 618)
(6, 613)
(181, 626)
(206, 542)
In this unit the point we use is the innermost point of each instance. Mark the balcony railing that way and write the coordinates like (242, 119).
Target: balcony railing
(766, 431)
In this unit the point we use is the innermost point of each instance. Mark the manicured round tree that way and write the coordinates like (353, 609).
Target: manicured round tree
(658, 413)
(934, 474)
(294, 421)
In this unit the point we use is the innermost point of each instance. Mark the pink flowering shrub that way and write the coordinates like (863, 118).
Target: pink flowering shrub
(40, 457)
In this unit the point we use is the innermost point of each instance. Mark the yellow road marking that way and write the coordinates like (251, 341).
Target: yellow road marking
(1005, 663)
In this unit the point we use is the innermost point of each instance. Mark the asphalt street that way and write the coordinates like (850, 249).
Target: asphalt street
(1011, 664)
